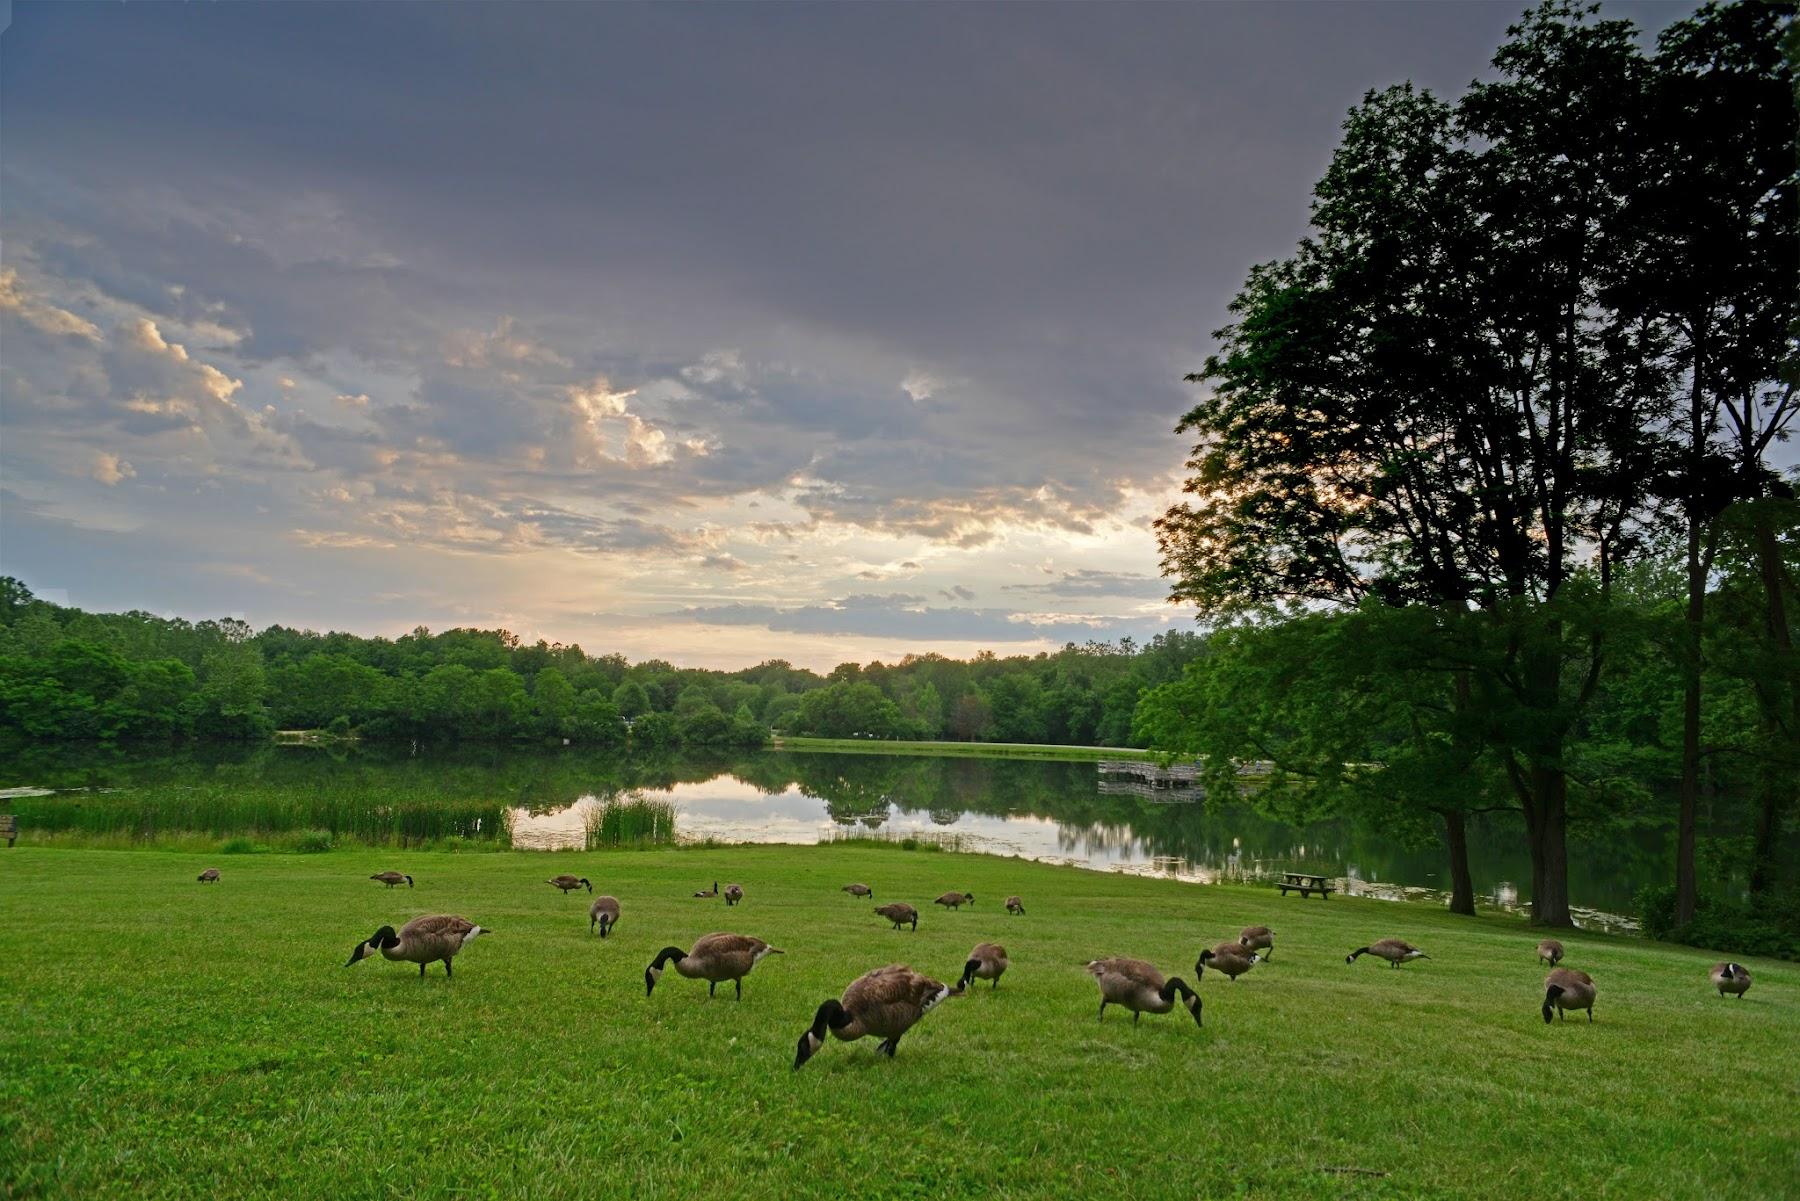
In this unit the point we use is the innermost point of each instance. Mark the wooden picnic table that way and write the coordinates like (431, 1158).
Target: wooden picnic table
(1305, 883)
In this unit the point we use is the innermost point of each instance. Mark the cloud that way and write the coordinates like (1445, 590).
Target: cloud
(359, 401)
(906, 616)
(1087, 582)
(957, 592)
(45, 317)
(109, 469)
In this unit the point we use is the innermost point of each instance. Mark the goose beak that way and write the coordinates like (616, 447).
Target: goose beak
(1194, 1006)
(357, 953)
(808, 1047)
(650, 975)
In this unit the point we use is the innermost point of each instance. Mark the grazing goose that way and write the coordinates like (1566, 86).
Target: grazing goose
(858, 890)
(900, 913)
(1139, 987)
(886, 1003)
(1231, 958)
(1257, 938)
(986, 962)
(1393, 950)
(209, 876)
(1566, 989)
(423, 940)
(733, 894)
(713, 893)
(1731, 978)
(569, 884)
(604, 913)
(1550, 951)
(1015, 905)
(392, 879)
(951, 900)
(714, 958)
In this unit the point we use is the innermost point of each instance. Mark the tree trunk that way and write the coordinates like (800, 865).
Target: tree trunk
(1779, 775)
(1550, 848)
(1456, 841)
(1687, 889)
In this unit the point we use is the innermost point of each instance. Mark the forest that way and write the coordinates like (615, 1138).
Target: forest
(70, 675)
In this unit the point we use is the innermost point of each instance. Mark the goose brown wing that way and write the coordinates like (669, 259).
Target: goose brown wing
(1129, 971)
(723, 943)
(988, 952)
(436, 924)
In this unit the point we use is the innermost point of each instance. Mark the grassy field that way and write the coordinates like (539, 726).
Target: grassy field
(960, 750)
(163, 1038)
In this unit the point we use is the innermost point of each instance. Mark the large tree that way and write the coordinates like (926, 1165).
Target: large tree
(1437, 401)
(1716, 265)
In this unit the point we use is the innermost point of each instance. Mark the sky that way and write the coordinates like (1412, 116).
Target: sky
(706, 333)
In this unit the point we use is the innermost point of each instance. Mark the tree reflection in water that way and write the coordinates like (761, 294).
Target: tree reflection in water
(1053, 811)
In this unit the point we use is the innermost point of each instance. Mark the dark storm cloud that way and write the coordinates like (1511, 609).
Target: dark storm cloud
(893, 274)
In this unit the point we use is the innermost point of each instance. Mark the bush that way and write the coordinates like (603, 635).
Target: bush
(1718, 925)
(239, 846)
(339, 726)
(312, 842)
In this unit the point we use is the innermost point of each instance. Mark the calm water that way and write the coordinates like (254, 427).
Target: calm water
(1053, 812)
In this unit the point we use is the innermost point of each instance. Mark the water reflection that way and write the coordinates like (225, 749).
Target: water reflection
(1054, 812)
(1066, 814)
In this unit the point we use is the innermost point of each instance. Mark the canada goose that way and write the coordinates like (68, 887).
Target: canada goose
(714, 958)
(604, 913)
(1015, 905)
(1550, 951)
(423, 940)
(1257, 938)
(1139, 987)
(733, 894)
(858, 890)
(209, 876)
(1231, 958)
(886, 1002)
(1393, 950)
(900, 913)
(569, 884)
(1731, 978)
(986, 962)
(713, 893)
(392, 879)
(951, 900)
(1566, 989)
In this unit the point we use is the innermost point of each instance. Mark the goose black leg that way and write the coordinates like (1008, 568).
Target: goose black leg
(740, 987)
(711, 986)
(421, 971)
(447, 969)
(1135, 1016)
(1103, 1011)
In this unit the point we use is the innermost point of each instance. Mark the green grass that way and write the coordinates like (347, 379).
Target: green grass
(961, 750)
(163, 1038)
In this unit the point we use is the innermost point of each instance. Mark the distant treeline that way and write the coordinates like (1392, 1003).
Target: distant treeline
(66, 674)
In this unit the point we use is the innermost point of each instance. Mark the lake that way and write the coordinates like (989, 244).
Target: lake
(1055, 812)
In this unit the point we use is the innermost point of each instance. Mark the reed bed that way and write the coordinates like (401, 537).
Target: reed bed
(630, 820)
(260, 812)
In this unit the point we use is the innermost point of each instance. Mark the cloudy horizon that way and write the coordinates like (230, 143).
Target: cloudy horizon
(709, 334)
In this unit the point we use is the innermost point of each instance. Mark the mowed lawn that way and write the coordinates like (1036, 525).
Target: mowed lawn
(165, 1038)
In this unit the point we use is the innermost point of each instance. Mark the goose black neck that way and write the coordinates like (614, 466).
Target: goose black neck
(1175, 987)
(664, 956)
(1550, 995)
(969, 970)
(1359, 951)
(830, 1014)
